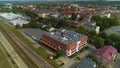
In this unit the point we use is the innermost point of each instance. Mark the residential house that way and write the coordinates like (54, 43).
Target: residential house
(87, 63)
(106, 55)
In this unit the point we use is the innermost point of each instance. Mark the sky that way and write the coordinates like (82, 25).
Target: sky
(59, 0)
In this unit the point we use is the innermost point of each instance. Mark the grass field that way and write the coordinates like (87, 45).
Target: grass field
(3, 60)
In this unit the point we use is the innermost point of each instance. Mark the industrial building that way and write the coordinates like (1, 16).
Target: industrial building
(34, 33)
(10, 16)
(65, 40)
(18, 22)
(15, 19)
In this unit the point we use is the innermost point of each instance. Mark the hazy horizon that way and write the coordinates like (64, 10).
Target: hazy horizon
(59, 0)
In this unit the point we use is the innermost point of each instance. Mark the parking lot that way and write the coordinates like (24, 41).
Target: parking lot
(73, 62)
(113, 30)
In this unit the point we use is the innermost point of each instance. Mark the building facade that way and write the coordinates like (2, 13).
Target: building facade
(65, 40)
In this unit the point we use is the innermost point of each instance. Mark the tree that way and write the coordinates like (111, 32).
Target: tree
(96, 18)
(61, 23)
(40, 19)
(92, 34)
(114, 37)
(81, 30)
(18, 26)
(105, 22)
(31, 25)
(113, 40)
(98, 42)
(93, 57)
(26, 25)
(117, 46)
(74, 16)
(103, 35)
(108, 41)
(59, 54)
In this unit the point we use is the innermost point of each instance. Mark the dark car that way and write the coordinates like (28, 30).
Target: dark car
(78, 58)
(61, 64)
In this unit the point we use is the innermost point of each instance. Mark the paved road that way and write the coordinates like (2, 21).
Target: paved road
(116, 64)
(113, 30)
(12, 52)
(73, 62)
(33, 55)
(36, 45)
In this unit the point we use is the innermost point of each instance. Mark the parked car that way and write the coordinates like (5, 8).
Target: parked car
(78, 58)
(61, 64)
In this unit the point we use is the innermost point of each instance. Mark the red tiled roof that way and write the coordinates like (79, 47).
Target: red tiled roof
(107, 52)
(69, 11)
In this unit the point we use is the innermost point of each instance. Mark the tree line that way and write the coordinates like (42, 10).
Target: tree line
(105, 22)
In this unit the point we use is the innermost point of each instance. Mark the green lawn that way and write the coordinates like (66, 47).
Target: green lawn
(3, 61)
(119, 21)
(45, 55)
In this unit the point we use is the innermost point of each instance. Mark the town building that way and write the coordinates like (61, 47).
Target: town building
(106, 55)
(44, 12)
(18, 22)
(48, 28)
(10, 16)
(92, 26)
(87, 63)
(34, 33)
(76, 24)
(15, 19)
(65, 40)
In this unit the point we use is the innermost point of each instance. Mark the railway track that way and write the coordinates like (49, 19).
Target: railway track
(22, 54)
(12, 52)
(41, 63)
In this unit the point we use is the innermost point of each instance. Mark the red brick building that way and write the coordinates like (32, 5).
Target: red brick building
(65, 40)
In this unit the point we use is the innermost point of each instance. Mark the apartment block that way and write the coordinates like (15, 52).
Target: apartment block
(65, 40)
